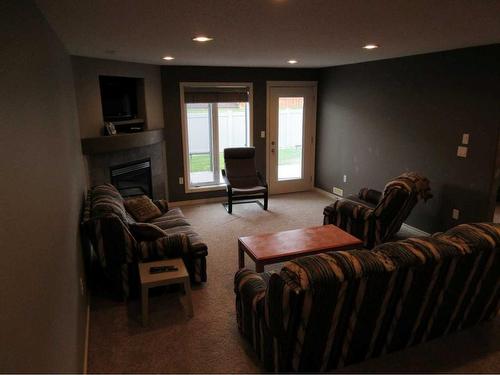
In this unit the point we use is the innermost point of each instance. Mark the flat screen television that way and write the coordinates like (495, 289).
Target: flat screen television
(118, 98)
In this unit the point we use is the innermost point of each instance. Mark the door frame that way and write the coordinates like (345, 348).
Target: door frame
(284, 84)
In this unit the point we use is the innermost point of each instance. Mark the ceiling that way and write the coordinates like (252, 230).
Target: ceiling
(267, 33)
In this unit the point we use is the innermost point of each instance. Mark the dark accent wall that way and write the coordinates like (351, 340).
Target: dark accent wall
(171, 76)
(42, 313)
(379, 119)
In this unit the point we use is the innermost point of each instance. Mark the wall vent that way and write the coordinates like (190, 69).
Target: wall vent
(338, 191)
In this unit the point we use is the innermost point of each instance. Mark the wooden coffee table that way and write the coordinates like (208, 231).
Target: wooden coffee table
(281, 246)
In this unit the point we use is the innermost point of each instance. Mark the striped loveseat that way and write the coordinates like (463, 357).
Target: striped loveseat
(330, 310)
(109, 227)
(374, 217)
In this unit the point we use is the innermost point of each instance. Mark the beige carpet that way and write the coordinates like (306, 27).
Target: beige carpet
(210, 342)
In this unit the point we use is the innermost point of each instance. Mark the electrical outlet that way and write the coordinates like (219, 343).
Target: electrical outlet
(82, 286)
(181, 180)
(455, 214)
(338, 191)
(462, 151)
(263, 134)
(345, 178)
(465, 138)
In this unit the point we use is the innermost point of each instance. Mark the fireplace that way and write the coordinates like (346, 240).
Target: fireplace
(133, 178)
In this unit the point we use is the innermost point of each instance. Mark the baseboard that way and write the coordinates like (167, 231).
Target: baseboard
(86, 344)
(193, 202)
(326, 193)
(416, 230)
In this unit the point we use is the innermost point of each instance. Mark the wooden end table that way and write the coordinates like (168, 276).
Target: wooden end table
(150, 280)
(282, 246)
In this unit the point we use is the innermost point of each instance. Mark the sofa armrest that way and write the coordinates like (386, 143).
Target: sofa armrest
(250, 289)
(169, 246)
(347, 209)
(162, 204)
(250, 286)
(370, 195)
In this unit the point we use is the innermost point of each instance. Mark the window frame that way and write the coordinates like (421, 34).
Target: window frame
(185, 144)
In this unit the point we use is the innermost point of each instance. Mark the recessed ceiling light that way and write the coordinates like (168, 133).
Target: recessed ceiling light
(292, 62)
(202, 39)
(370, 46)
(168, 58)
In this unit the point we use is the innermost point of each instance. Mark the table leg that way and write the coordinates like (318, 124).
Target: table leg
(241, 256)
(189, 301)
(259, 267)
(145, 305)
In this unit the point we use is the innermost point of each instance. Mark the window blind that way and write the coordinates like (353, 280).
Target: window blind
(215, 94)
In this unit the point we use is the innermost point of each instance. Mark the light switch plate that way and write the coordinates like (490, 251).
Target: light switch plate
(345, 178)
(181, 180)
(465, 138)
(462, 151)
(263, 134)
(455, 214)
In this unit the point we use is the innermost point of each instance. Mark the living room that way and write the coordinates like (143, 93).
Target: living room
(422, 97)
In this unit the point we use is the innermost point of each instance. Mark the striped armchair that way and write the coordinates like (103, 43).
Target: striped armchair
(330, 310)
(374, 217)
(110, 230)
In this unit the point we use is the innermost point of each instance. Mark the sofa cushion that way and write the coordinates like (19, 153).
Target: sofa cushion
(142, 208)
(170, 219)
(145, 231)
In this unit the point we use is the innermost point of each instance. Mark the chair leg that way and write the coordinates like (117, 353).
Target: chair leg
(230, 203)
(265, 200)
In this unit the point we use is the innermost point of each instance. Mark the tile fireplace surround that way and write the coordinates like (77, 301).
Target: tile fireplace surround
(98, 165)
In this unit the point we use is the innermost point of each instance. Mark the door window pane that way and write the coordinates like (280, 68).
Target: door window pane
(290, 137)
(201, 169)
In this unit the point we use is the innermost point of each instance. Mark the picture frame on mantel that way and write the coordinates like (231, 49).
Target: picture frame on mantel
(109, 128)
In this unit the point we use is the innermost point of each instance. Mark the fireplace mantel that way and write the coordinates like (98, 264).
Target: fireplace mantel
(112, 143)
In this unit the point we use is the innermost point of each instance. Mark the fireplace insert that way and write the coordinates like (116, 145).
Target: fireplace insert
(133, 178)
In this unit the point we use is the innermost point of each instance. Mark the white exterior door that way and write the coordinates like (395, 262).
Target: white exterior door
(291, 136)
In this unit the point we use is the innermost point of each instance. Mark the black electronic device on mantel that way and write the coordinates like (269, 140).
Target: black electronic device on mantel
(129, 126)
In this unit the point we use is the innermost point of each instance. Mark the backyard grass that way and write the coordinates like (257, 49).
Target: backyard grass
(201, 162)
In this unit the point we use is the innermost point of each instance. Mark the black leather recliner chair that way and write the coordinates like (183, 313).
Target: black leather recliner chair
(244, 183)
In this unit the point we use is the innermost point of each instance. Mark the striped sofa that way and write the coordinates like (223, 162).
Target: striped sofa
(330, 310)
(374, 217)
(108, 226)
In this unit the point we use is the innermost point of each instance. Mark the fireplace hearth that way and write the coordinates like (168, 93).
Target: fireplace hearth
(133, 178)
